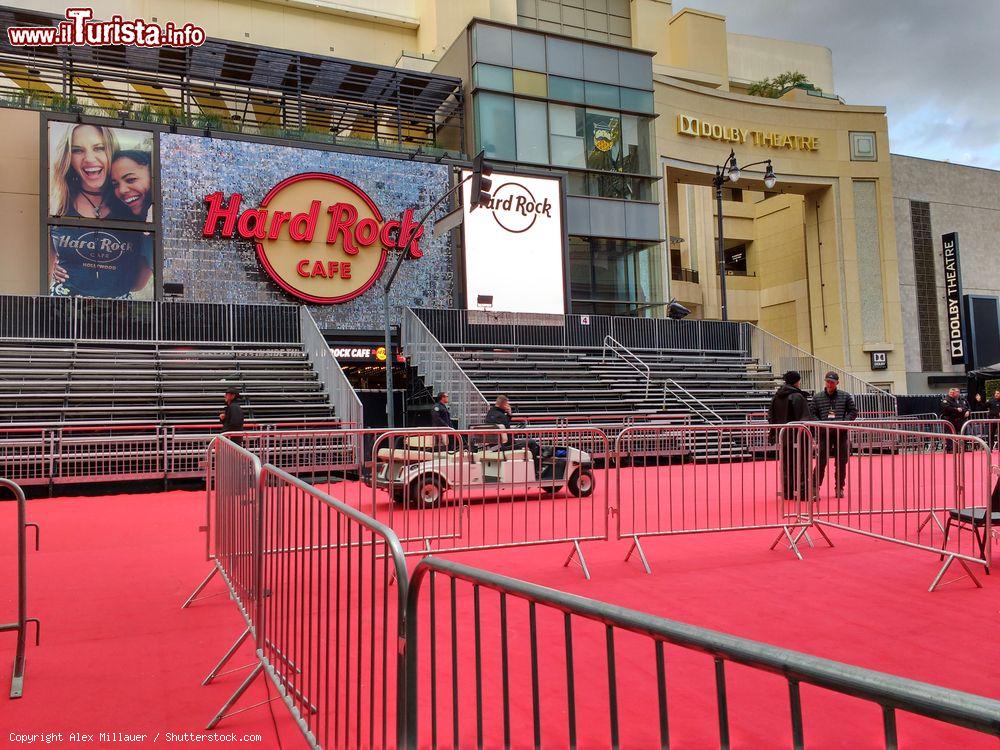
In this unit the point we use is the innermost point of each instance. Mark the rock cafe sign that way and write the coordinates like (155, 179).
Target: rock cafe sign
(320, 237)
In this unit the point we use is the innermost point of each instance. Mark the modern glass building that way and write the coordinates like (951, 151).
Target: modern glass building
(547, 102)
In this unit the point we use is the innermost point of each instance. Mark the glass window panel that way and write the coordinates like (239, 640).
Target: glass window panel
(577, 183)
(579, 267)
(531, 128)
(638, 101)
(495, 136)
(567, 126)
(601, 94)
(636, 153)
(493, 77)
(565, 89)
(532, 84)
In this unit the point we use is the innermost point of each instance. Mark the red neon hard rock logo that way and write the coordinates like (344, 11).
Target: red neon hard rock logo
(318, 236)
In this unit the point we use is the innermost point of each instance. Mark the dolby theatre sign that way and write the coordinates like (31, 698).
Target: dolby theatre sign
(320, 237)
(698, 127)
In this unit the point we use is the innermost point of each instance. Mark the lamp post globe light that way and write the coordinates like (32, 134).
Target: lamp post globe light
(730, 171)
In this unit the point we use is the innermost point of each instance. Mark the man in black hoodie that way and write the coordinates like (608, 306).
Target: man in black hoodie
(790, 404)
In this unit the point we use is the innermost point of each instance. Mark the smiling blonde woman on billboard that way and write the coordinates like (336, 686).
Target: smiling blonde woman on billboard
(80, 174)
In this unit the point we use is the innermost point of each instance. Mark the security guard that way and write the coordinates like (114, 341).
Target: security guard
(440, 416)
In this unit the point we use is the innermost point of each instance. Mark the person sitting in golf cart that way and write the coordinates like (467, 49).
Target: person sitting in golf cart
(500, 415)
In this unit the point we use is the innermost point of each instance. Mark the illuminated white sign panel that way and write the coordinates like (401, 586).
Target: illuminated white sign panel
(514, 246)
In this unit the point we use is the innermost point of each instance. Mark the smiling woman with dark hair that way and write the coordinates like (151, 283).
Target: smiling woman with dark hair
(132, 182)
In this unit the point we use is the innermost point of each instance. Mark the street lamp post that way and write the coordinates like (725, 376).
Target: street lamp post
(481, 170)
(390, 403)
(730, 172)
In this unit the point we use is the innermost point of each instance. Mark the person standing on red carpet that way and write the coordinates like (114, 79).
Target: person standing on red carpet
(790, 404)
(833, 405)
(232, 415)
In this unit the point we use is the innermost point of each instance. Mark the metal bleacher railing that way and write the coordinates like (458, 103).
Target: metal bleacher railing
(21, 626)
(364, 654)
(782, 356)
(87, 319)
(346, 403)
(438, 368)
(489, 328)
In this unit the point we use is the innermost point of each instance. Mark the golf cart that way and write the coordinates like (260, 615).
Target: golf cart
(423, 470)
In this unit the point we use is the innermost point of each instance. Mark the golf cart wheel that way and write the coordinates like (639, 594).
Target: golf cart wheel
(551, 489)
(426, 491)
(581, 483)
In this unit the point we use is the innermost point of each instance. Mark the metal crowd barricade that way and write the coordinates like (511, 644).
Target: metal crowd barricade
(921, 428)
(488, 487)
(27, 454)
(719, 482)
(21, 626)
(927, 491)
(330, 623)
(473, 678)
(231, 477)
(987, 430)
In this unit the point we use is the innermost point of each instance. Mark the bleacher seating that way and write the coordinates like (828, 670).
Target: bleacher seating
(59, 382)
(548, 381)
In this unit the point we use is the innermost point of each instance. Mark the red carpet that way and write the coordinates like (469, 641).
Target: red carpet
(119, 655)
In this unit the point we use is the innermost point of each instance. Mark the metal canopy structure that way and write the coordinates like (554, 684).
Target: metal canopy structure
(231, 86)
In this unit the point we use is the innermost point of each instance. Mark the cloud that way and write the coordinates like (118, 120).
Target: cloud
(935, 65)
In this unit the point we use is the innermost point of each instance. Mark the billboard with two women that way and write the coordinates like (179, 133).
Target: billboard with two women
(101, 183)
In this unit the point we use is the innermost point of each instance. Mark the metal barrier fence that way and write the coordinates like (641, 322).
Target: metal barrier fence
(725, 489)
(485, 488)
(21, 626)
(89, 319)
(583, 661)
(312, 578)
(987, 430)
(72, 453)
(932, 492)
(922, 435)
(486, 327)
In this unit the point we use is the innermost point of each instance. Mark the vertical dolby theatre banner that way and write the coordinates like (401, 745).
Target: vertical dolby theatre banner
(953, 297)
(104, 178)
(264, 223)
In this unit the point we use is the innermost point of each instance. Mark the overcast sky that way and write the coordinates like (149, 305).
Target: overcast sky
(934, 64)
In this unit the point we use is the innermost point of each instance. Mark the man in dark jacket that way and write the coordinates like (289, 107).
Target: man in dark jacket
(440, 416)
(790, 404)
(232, 415)
(833, 405)
(993, 414)
(955, 409)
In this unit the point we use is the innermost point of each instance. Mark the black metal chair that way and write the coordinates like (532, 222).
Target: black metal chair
(975, 518)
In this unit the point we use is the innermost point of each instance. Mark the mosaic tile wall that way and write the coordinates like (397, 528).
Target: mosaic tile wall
(220, 270)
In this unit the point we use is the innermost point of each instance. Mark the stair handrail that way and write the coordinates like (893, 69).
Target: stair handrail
(670, 385)
(686, 394)
(774, 351)
(636, 362)
(435, 364)
(344, 398)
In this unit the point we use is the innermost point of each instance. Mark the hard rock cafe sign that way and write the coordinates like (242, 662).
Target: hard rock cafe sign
(320, 237)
